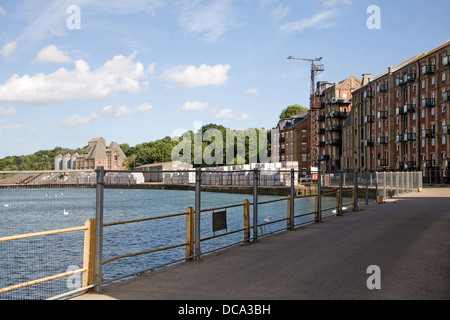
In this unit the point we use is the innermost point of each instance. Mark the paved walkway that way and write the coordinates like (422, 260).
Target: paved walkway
(407, 237)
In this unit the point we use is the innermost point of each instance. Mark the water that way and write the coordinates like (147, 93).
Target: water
(34, 210)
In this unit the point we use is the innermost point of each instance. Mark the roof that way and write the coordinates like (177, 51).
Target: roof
(98, 151)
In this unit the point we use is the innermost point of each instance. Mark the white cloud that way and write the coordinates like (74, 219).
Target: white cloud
(209, 19)
(280, 12)
(243, 117)
(194, 106)
(224, 113)
(7, 112)
(2, 11)
(145, 107)
(333, 3)
(114, 111)
(77, 120)
(318, 20)
(116, 75)
(52, 54)
(204, 75)
(8, 48)
(252, 91)
(9, 127)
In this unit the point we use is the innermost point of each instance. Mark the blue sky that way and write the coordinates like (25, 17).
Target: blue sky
(139, 70)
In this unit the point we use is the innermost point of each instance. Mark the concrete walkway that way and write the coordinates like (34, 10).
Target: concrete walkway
(407, 237)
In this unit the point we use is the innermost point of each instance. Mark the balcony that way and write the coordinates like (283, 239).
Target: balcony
(383, 162)
(382, 114)
(382, 140)
(282, 139)
(410, 136)
(369, 94)
(333, 142)
(324, 157)
(409, 77)
(282, 150)
(428, 133)
(337, 114)
(321, 144)
(429, 164)
(428, 69)
(400, 138)
(320, 131)
(333, 129)
(368, 119)
(382, 88)
(410, 108)
(400, 111)
(400, 81)
(430, 102)
(320, 118)
(369, 143)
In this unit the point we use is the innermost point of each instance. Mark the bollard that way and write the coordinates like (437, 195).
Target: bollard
(246, 220)
(189, 233)
(89, 254)
(338, 203)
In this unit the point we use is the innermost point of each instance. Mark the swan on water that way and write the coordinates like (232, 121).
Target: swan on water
(65, 212)
(6, 205)
(268, 219)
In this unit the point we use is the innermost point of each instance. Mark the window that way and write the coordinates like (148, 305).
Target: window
(304, 133)
(303, 146)
(423, 84)
(443, 139)
(432, 81)
(423, 113)
(303, 157)
(443, 76)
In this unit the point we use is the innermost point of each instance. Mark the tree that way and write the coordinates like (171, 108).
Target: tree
(292, 110)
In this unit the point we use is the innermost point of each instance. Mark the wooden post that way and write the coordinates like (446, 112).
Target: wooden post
(246, 220)
(289, 203)
(316, 212)
(89, 254)
(189, 233)
(338, 206)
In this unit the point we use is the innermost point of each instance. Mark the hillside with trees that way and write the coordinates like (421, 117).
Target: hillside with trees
(155, 151)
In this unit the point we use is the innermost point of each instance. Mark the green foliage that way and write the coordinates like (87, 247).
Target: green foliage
(292, 110)
(159, 151)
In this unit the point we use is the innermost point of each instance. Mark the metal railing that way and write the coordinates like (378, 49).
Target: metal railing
(191, 235)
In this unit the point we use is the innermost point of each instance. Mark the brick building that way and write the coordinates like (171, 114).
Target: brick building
(96, 155)
(336, 103)
(400, 119)
(293, 137)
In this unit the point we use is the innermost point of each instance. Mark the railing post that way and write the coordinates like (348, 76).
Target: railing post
(367, 188)
(98, 278)
(246, 220)
(291, 206)
(355, 192)
(89, 254)
(255, 204)
(189, 233)
(319, 197)
(198, 181)
(340, 193)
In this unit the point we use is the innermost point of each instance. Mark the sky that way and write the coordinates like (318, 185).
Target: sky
(139, 70)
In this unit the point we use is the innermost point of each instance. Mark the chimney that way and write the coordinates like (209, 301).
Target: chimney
(366, 78)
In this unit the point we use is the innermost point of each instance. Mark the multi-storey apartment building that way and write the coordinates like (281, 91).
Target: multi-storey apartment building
(336, 104)
(400, 119)
(293, 136)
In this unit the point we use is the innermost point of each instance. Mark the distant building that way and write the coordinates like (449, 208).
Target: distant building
(154, 172)
(96, 155)
(335, 105)
(292, 135)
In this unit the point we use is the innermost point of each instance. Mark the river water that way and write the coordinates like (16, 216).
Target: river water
(34, 210)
